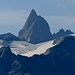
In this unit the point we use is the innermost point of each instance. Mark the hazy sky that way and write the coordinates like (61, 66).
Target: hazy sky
(58, 13)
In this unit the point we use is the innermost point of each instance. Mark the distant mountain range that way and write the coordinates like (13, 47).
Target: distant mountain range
(35, 30)
(36, 51)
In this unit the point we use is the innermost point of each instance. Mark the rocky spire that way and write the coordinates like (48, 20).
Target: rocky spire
(36, 29)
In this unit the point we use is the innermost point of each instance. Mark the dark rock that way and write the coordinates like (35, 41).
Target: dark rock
(36, 29)
(9, 37)
(63, 56)
(6, 59)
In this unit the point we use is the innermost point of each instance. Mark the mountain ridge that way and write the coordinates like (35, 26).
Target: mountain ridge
(37, 30)
(62, 33)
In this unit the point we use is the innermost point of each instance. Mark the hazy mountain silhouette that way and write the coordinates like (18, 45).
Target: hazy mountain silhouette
(6, 59)
(9, 37)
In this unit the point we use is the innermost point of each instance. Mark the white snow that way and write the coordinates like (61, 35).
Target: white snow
(40, 50)
(19, 47)
(1, 43)
(27, 49)
(72, 34)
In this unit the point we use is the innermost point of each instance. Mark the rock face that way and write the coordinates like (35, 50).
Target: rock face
(35, 30)
(6, 59)
(62, 33)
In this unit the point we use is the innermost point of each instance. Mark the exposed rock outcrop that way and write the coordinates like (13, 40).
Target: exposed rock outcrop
(36, 29)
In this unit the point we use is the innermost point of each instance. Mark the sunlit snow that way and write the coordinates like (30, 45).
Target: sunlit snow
(40, 50)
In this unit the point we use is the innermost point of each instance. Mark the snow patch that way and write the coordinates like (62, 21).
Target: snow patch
(72, 34)
(40, 50)
(26, 49)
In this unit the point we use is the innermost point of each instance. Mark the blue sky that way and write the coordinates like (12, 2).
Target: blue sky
(58, 13)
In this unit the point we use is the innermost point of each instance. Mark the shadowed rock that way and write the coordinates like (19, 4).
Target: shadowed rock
(62, 33)
(9, 37)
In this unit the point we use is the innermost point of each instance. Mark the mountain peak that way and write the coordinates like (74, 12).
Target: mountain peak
(33, 11)
(36, 29)
(61, 30)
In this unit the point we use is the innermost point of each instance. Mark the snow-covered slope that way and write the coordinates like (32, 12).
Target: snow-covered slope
(26, 49)
(71, 35)
(41, 49)
(21, 47)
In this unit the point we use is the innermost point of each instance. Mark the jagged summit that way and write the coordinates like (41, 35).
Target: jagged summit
(62, 33)
(33, 12)
(36, 29)
(32, 17)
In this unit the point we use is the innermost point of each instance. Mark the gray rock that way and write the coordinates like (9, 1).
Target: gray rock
(36, 29)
